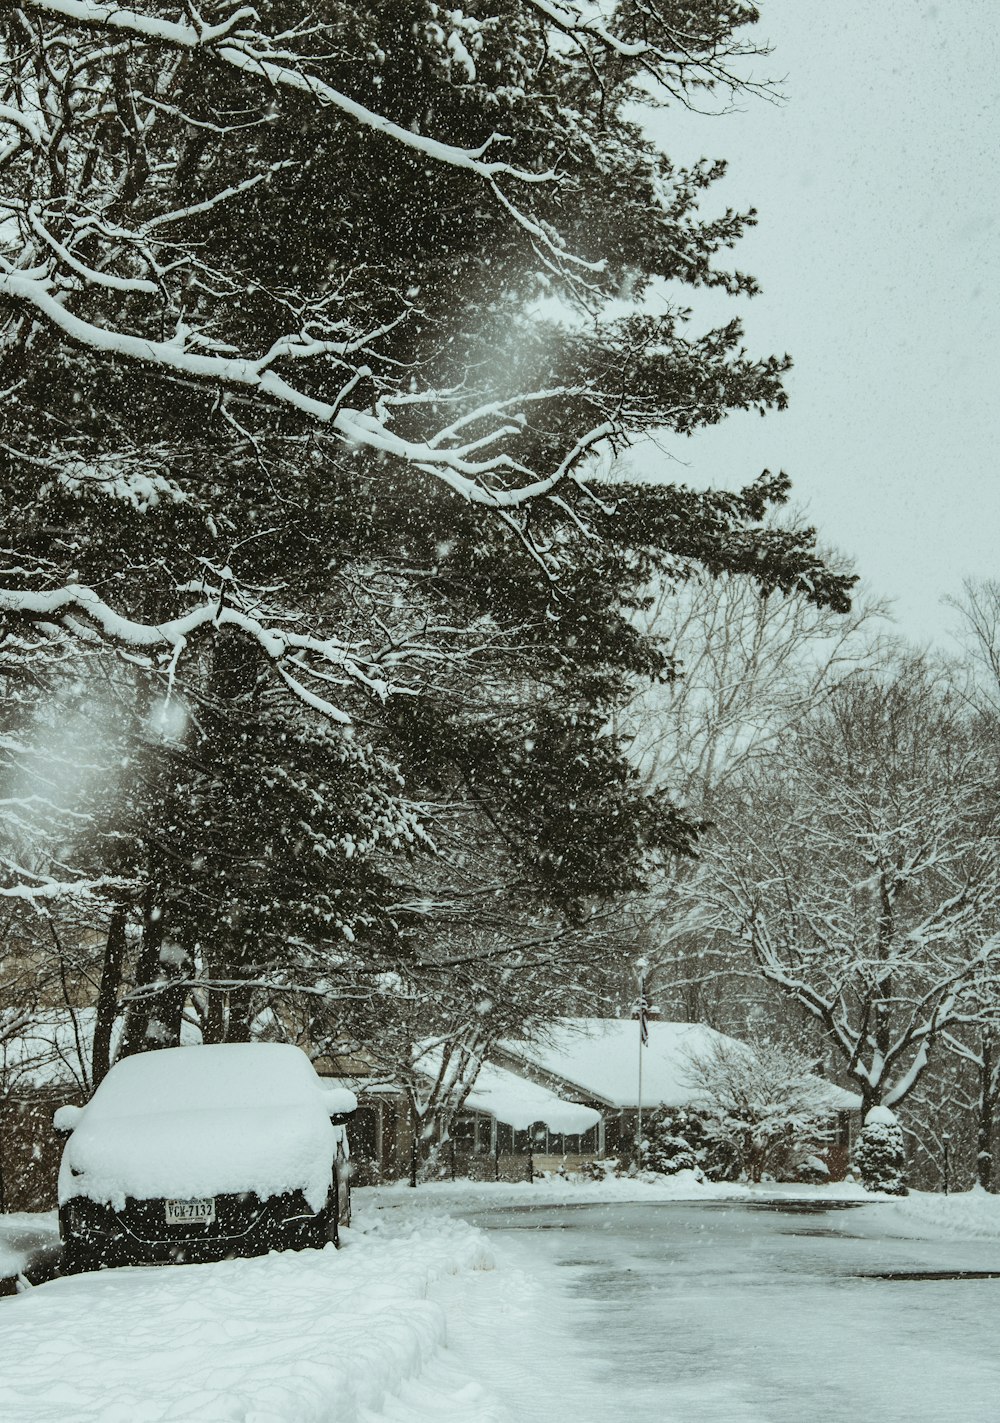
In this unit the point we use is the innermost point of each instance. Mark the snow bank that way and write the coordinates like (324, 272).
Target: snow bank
(307, 1337)
(962, 1213)
(22, 1235)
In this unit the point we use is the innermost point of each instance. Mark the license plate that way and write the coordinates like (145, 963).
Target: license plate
(190, 1212)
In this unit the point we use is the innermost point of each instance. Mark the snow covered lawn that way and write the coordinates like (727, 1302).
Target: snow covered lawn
(963, 1214)
(573, 1189)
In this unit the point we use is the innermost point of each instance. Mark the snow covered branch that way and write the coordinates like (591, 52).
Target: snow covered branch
(863, 870)
(237, 44)
(282, 647)
(478, 481)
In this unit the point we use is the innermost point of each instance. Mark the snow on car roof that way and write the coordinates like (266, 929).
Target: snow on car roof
(205, 1078)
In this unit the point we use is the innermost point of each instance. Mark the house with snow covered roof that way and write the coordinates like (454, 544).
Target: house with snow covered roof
(493, 1137)
(595, 1062)
(569, 1095)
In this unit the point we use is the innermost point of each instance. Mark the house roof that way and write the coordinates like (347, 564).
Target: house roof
(521, 1103)
(515, 1099)
(598, 1059)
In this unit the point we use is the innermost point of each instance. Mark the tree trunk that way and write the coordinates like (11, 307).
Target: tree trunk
(136, 1037)
(106, 1008)
(240, 1015)
(870, 1097)
(167, 1009)
(984, 1125)
(213, 1028)
(3, 1125)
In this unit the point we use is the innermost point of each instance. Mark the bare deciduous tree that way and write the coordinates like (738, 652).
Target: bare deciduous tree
(860, 868)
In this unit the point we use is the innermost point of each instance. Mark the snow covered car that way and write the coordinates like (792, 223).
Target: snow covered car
(201, 1153)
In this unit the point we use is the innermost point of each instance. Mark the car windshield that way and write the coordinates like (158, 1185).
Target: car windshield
(227, 1077)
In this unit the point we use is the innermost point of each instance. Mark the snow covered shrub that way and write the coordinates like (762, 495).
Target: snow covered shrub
(880, 1155)
(763, 1110)
(813, 1170)
(673, 1142)
(599, 1169)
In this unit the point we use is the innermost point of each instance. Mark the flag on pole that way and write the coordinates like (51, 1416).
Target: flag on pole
(643, 1013)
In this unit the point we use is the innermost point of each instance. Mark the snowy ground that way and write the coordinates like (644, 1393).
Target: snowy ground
(317, 1335)
(548, 1315)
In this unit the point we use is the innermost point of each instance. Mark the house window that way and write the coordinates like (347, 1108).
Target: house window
(542, 1142)
(472, 1132)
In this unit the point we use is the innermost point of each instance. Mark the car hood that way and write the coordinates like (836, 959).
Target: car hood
(192, 1153)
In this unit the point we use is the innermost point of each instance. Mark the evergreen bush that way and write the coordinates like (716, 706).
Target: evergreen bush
(880, 1155)
(674, 1142)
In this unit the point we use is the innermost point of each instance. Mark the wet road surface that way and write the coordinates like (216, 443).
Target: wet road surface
(727, 1313)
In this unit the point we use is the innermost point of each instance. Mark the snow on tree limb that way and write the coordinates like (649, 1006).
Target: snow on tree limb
(51, 889)
(865, 881)
(256, 54)
(58, 604)
(462, 473)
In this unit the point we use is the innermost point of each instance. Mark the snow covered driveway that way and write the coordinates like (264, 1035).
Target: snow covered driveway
(724, 1312)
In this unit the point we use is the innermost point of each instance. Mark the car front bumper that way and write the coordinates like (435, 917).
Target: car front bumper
(94, 1235)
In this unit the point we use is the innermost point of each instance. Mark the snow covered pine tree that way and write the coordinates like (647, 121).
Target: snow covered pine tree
(292, 447)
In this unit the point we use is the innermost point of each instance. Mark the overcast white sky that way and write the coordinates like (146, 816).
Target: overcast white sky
(877, 245)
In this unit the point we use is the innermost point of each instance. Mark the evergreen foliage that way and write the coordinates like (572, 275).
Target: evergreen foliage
(675, 1142)
(307, 335)
(880, 1153)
